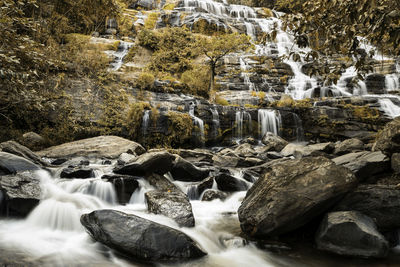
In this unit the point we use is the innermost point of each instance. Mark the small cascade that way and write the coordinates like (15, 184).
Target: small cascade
(392, 82)
(103, 190)
(192, 192)
(246, 77)
(123, 50)
(138, 196)
(215, 121)
(197, 121)
(250, 30)
(299, 128)
(145, 121)
(269, 121)
(389, 108)
(242, 123)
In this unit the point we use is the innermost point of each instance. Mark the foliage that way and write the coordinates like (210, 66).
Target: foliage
(148, 39)
(135, 117)
(145, 81)
(151, 20)
(221, 101)
(180, 127)
(197, 79)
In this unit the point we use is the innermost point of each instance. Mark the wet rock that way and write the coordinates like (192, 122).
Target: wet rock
(229, 183)
(195, 155)
(395, 162)
(348, 146)
(58, 161)
(229, 241)
(211, 194)
(33, 140)
(351, 233)
(10, 163)
(125, 158)
(299, 151)
(174, 205)
(364, 164)
(375, 83)
(97, 147)
(292, 193)
(124, 185)
(244, 150)
(388, 141)
(22, 151)
(152, 162)
(273, 142)
(380, 202)
(144, 4)
(205, 184)
(147, 240)
(249, 140)
(19, 194)
(185, 171)
(161, 183)
(77, 172)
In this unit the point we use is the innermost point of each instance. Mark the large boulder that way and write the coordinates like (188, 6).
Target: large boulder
(97, 147)
(273, 142)
(161, 183)
(228, 183)
(139, 238)
(388, 140)
(299, 150)
(33, 140)
(364, 164)
(152, 162)
(174, 205)
(351, 233)
(211, 194)
(19, 194)
(10, 163)
(292, 193)
(183, 170)
(22, 151)
(348, 146)
(380, 202)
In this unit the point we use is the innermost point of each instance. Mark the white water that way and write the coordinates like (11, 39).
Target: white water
(118, 56)
(197, 121)
(242, 123)
(215, 121)
(389, 108)
(269, 121)
(145, 121)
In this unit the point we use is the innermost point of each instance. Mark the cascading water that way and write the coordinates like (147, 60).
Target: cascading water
(389, 108)
(299, 128)
(392, 82)
(123, 50)
(215, 121)
(269, 121)
(246, 77)
(242, 123)
(197, 121)
(145, 121)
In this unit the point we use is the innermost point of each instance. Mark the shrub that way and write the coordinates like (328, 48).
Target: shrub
(198, 80)
(145, 81)
(148, 39)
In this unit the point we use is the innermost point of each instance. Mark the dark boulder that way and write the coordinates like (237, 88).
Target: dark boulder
(10, 163)
(19, 194)
(364, 164)
(351, 233)
(139, 238)
(152, 162)
(380, 202)
(375, 83)
(174, 205)
(388, 140)
(77, 172)
(161, 183)
(183, 170)
(292, 193)
(211, 194)
(228, 183)
(22, 151)
(124, 185)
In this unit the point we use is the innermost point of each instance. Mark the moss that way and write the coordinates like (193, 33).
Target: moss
(250, 106)
(151, 20)
(114, 46)
(180, 127)
(169, 6)
(221, 101)
(135, 117)
(363, 113)
(287, 101)
(145, 81)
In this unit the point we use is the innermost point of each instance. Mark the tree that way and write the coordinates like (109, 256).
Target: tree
(216, 47)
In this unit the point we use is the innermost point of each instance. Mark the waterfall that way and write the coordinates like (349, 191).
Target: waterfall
(242, 121)
(192, 192)
(123, 50)
(392, 82)
(197, 121)
(269, 121)
(389, 108)
(299, 128)
(215, 121)
(246, 77)
(103, 190)
(145, 121)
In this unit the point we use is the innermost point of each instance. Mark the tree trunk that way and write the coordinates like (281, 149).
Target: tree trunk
(212, 76)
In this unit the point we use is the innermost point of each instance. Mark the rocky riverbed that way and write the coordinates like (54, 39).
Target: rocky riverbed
(109, 201)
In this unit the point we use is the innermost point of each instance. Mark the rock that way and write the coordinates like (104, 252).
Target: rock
(395, 162)
(10, 164)
(225, 161)
(125, 158)
(161, 183)
(273, 142)
(22, 151)
(348, 146)
(33, 140)
(139, 238)
(388, 141)
(97, 147)
(77, 172)
(351, 233)
(375, 83)
(196, 155)
(19, 194)
(244, 150)
(380, 202)
(205, 184)
(211, 194)
(124, 185)
(229, 183)
(249, 140)
(144, 4)
(299, 151)
(58, 162)
(364, 164)
(152, 162)
(185, 171)
(229, 241)
(292, 193)
(174, 205)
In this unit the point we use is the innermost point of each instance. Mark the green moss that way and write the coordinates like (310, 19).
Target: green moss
(221, 101)
(169, 6)
(145, 81)
(151, 20)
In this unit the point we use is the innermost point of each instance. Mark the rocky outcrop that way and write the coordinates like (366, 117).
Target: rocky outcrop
(388, 141)
(77, 172)
(364, 164)
(174, 205)
(161, 183)
(298, 150)
(228, 183)
(395, 162)
(380, 202)
(22, 151)
(351, 233)
(19, 194)
(292, 193)
(375, 83)
(183, 170)
(152, 162)
(97, 147)
(348, 146)
(139, 238)
(33, 140)
(211, 194)
(273, 142)
(10, 164)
